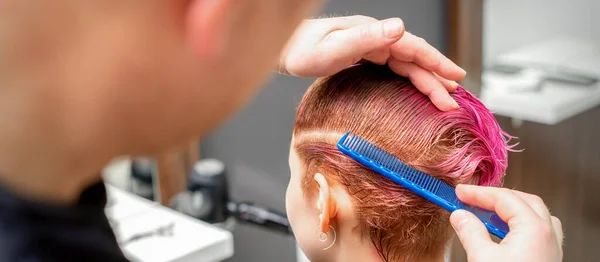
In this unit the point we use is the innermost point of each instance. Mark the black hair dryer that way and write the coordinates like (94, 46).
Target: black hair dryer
(207, 198)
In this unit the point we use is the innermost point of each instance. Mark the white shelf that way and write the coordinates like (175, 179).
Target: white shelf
(192, 239)
(515, 95)
(554, 103)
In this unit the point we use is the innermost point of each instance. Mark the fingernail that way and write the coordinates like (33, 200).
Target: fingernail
(393, 28)
(459, 219)
(454, 103)
(463, 72)
(454, 86)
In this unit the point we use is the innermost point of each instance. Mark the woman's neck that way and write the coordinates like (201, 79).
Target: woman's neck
(363, 250)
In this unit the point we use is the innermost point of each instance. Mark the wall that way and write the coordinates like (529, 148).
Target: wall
(560, 163)
(509, 24)
(254, 144)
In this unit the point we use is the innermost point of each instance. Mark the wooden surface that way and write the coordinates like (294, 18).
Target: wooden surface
(465, 25)
(561, 164)
(465, 35)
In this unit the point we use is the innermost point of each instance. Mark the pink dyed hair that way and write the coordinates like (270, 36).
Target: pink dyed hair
(461, 146)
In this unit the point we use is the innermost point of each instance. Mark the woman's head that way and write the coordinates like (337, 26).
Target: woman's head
(327, 188)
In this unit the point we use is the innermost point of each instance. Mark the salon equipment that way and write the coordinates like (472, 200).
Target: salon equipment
(148, 231)
(142, 177)
(251, 213)
(524, 79)
(162, 231)
(207, 192)
(422, 184)
(544, 82)
(207, 198)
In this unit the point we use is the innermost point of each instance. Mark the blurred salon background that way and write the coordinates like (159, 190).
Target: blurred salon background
(536, 63)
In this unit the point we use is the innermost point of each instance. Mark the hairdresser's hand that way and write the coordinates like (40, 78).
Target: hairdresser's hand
(534, 234)
(428, 69)
(322, 47)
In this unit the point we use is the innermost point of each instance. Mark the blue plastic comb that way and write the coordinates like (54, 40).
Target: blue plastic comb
(422, 184)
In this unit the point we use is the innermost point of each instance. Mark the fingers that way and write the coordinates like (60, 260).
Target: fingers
(356, 41)
(536, 203)
(345, 22)
(511, 208)
(558, 230)
(472, 233)
(531, 226)
(426, 82)
(411, 48)
(450, 85)
(394, 27)
(379, 57)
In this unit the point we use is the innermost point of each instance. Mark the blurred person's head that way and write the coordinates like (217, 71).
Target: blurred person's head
(372, 216)
(126, 76)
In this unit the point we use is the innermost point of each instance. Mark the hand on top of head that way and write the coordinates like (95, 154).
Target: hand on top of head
(322, 47)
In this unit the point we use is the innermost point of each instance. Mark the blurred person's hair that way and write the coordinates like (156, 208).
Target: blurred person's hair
(461, 146)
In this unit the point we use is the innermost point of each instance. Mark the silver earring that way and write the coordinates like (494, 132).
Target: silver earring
(323, 237)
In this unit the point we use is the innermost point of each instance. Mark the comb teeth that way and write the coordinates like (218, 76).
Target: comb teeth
(446, 192)
(387, 161)
(390, 162)
(422, 184)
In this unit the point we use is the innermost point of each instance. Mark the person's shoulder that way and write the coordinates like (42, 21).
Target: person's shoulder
(35, 231)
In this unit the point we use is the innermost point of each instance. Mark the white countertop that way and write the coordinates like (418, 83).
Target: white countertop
(189, 239)
(549, 102)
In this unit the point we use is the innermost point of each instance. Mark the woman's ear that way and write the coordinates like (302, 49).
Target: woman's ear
(207, 25)
(326, 203)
